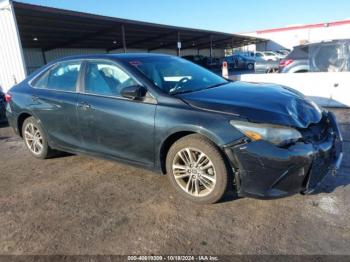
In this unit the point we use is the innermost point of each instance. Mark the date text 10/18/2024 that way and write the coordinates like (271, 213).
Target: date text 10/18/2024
(173, 258)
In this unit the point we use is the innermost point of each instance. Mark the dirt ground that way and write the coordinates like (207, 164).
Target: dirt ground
(82, 205)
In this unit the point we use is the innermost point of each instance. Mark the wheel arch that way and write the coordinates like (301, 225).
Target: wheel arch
(20, 120)
(175, 136)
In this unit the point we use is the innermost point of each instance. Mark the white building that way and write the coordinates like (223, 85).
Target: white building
(290, 36)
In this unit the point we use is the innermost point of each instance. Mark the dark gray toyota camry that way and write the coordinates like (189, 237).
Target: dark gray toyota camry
(208, 134)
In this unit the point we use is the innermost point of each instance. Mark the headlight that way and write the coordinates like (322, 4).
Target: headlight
(275, 134)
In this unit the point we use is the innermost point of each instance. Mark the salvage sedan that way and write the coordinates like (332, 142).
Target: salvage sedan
(208, 134)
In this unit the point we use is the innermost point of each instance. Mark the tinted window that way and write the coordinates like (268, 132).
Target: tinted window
(62, 76)
(329, 58)
(299, 52)
(103, 78)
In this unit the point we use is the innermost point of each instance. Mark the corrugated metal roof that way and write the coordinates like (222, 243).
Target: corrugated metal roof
(51, 28)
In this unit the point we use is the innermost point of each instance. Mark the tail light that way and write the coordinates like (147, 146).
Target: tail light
(7, 98)
(285, 62)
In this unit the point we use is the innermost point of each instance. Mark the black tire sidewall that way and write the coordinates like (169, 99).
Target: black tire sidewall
(45, 152)
(210, 149)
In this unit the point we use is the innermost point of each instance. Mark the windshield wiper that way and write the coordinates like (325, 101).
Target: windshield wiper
(183, 92)
(196, 90)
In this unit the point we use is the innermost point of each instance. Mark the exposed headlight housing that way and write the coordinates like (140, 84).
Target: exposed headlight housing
(277, 135)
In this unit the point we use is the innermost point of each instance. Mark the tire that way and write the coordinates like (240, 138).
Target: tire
(250, 66)
(198, 146)
(45, 151)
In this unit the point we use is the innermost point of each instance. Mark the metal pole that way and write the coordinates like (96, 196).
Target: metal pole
(178, 41)
(124, 40)
(44, 56)
(211, 48)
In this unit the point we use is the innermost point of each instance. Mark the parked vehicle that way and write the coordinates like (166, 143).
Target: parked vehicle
(267, 56)
(297, 61)
(2, 106)
(248, 54)
(207, 62)
(326, 56)
(240, 62)
(197, 59)
(168, 114)
(279, 55)
(282, 53)
(262, 66)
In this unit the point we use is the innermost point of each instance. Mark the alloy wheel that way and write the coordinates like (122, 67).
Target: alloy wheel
(194, 172)
(34, 139)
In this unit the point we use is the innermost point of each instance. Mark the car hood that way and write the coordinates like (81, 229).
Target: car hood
(262, 103)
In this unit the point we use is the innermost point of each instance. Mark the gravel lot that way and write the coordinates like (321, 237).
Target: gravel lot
(81, 205)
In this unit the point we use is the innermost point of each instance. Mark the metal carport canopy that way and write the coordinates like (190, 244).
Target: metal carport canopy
(50, 28)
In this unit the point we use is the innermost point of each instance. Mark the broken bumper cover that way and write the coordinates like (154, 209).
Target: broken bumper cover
(268, 171)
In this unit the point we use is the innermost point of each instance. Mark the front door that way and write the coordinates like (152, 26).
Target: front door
(110, 124)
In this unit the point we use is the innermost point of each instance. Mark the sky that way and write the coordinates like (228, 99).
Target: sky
(233, 16)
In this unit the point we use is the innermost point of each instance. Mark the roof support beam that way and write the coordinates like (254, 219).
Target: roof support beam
(211, 47)
(123, 38)
(44, 56)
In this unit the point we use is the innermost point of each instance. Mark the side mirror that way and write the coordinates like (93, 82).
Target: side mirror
(133, 92)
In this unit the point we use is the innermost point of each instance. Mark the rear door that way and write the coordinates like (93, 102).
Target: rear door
(110, 124)
(54, 100)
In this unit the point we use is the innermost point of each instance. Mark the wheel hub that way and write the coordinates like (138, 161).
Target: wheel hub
(33, 139)
(194, 172)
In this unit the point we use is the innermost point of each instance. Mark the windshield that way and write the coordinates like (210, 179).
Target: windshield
(175, 75)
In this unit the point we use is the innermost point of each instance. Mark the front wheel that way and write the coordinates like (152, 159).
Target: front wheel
(197, 169)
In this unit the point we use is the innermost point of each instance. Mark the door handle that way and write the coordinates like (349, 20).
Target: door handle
(84, 105)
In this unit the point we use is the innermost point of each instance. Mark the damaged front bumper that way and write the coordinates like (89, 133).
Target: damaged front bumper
(264, 170)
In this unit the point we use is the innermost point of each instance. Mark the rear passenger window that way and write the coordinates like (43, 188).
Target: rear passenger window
(103, 78)
(63, 77)
(299, 52)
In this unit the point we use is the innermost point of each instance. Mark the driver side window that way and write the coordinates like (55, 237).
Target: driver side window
(103, 78)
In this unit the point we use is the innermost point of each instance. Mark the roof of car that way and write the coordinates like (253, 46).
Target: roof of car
(124, 56)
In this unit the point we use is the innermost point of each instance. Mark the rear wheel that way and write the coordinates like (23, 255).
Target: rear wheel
(197, 170)
(35, 139)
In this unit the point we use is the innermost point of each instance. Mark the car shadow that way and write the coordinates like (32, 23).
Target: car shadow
(229, 196)
(60, 154)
